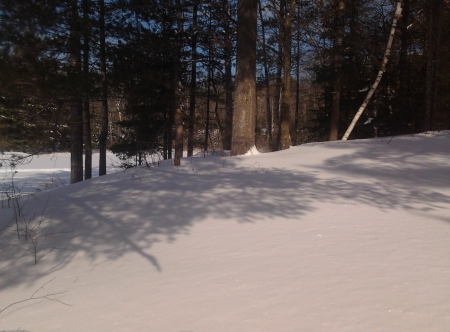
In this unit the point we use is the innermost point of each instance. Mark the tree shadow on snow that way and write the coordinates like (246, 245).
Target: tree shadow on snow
(129, 212)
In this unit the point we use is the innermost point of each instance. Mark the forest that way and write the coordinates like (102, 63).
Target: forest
(146, 77)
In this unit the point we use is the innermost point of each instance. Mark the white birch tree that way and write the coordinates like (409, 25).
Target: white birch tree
(397, 15)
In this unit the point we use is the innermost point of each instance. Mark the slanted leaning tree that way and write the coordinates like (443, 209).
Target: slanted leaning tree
(397, 15)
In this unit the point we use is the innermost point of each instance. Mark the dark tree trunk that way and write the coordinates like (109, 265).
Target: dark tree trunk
(295, 139)
(169, 134)
(276, 137)
(208, 101)
(285, 123)
(337, 85)
(193, 91)
(228, 80)
(104, 92)
(166, 139)
(76, 114)
(245, 93)
(266, 76)
(86, 94)
(434, 17)
(276, 143)
(402, 99)
(178, 115)
(208, 82)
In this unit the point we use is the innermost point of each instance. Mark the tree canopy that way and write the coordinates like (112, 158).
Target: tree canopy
(160, 77)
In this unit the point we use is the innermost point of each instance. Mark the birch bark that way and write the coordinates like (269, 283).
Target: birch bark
(397, 15)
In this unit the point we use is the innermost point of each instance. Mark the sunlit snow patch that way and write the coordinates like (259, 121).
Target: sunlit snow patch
(253, 151)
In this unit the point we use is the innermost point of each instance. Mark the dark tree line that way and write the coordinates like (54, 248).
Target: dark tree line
(146, 77)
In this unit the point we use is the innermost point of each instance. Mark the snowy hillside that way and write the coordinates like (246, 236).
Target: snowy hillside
(337, 236)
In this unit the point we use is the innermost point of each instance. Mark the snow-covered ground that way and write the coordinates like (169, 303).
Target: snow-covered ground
(337, 236)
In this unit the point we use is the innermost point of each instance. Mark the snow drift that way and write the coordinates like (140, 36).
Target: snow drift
(337, 236)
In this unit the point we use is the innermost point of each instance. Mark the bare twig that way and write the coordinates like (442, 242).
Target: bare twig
(31, 229)
(33, 297)
(256, 168)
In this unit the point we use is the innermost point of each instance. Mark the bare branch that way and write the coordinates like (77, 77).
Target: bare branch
(33, 297)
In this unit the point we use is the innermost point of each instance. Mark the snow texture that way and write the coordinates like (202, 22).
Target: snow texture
(336, 236)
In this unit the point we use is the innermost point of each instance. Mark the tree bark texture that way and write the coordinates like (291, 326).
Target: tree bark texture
(86, 94)
(193, 82)
(228, 80)
(245, 92)
(295, 138)
(266, 76)
(76, 109)
(208, 100)
(104, 92)
(285, 123)
(178, 115)
(276, 136)
(403, 103)
(337, 86)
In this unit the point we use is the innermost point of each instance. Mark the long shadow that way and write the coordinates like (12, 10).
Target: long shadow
(129, 212)
(421, 160)
(408, 172)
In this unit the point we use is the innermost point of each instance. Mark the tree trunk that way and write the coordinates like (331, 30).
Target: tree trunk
(208, 101)
(178, 115)
(266, 76)
(337, 85)
(228, 80)
(169, 133)
(285, 123)
(104, 92)
(397, 14)
(243, 138)
(208, 82)
(402, 98)
(220, 123)
(86, 94)
(297, 86)
(193, 82)
(166, 136)
(275, 144)
(76, 114)
(434, 16)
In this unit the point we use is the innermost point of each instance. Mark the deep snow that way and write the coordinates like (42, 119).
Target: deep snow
(337, 236)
